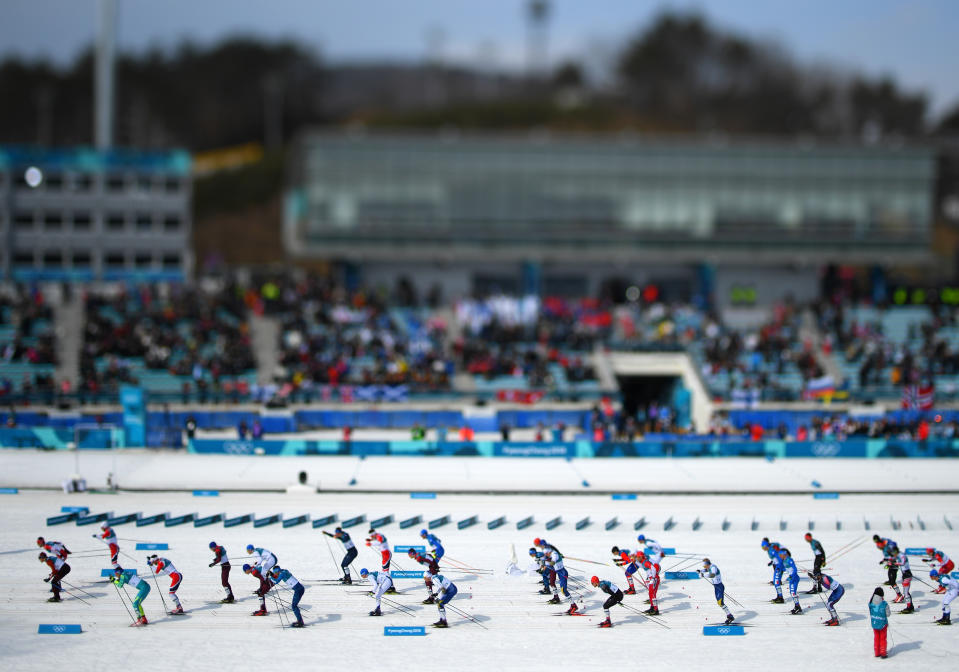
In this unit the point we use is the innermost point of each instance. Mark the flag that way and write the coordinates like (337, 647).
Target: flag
(918, 397)
(820, 388)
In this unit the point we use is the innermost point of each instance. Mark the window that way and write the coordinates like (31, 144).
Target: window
(53, 259)
(114, 260)
(144, 222)
(23, 221)
(82, 221)
(82, 260)
(53, 221)
(115, 222)
(143, 260)
(116, 183)
(145, 183)
(23, 259)
(82, 183)
(53, 180)
(171, 261)
(171, 224)
(172, 185)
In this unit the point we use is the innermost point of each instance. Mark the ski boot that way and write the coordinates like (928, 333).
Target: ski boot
(652, 611)
(391, 590)
(260, 612)
(441, 623)
(296, 624)
(555, 600)
(346, 581)
(178, 611)
(944, 620)
(376, 612)
(898, 598)
(909, 609)
(832, 621)
(606, 624)
(939, 590)
(229, 599)
(545, 591)
(797, 610)
(430, 600)
(778, 600)
(730, 619)
(54, 599)
(573, 609)
(631, 591)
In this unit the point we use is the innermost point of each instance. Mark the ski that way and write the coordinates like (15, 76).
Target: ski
(575, 613)
(176, 613)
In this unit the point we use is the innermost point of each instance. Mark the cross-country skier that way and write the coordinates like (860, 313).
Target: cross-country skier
(836, 591)
(58, 569)
(624, 558)
(554, 559)
(344, 537)
(220, 558)
(772, 552)
(653, 551)
(886, 545)
(711, 573)
(163, 567)
(819, 560)
(381, 583)
(544, 570)
(120, 578)
(279, 575)
(434, 542)
(109, 537)
(945, 565)
(615, 597)
(447, 591)
(652, 583)
(263, 589)
(263, 559)
(777, 563)
(792, 576)
(53, 548)
(433, 567)
(378, 542)
(952, 590)
(901, 561)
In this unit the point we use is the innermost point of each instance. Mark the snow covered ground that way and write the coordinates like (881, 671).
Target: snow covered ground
(520, 630)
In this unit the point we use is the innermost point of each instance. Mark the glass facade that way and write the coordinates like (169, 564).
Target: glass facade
(368, 192)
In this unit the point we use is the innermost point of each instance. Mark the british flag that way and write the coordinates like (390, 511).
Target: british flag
(918, 397)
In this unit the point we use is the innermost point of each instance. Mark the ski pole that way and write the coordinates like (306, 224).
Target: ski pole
(78, 588)
(157, 584)
(280, 611)
(592, 562)
(397, 606)
(332, 559)
(129, 613)
(462, 613)
(646, 616)
(74, 596)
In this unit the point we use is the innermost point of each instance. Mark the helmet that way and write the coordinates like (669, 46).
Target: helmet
(640, 556)
(249, 548)
(706, 562)
(42, 556)
(212, 544)
(615, 550)
(933, 574)
(532, 551)
(929, 551)
(411, 551)
(807, 536)
(41, 541)
(338, 530)
(594, 581)
(641, 538)
(104, 525)
(426, 576)
(423, 533)
(537, 542)
(894, 549)
(372, 531)
(364, 572)
(118, 570)
(765, 543)
(246, 569)
(876, 538)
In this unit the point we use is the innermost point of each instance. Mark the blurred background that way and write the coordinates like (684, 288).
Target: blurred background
(623, 219)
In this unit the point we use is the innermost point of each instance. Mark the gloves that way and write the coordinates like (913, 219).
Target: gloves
(327, 533)
(212, 563)
(769, 564)
(94, 536)
(370, 593)
(47, 580)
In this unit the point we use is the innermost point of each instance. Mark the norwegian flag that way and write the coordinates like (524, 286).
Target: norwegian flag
(918, 397)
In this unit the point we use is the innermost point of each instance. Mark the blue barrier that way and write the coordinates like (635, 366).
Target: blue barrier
(825, 495)
(523, 524)
(723, 630)
(295, 520)
(682, 576)
(404, 631)
(640, 524)
(208, 520)
(439, 522)
(816, 484)
(59, 629)
(123, 519)
(152, 547)
(74, 509)
(410, 522)
(407, 574)
(9, 491)
(669, 524)
(380, 522)
(90, 519)
(554, 523)
(697, 524)
(623, 496)
(669, 551)
(238, 520)
(422, 495)
(206, 493)
(404, 548)
(267, 520)
(915, 551)
(583, 523)
(493, 524)
(109, 572)
(468, 522)
(63, 518)
(323, 522)
(151, 520)
(611, 523)
(353, 522)
(179, 520)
